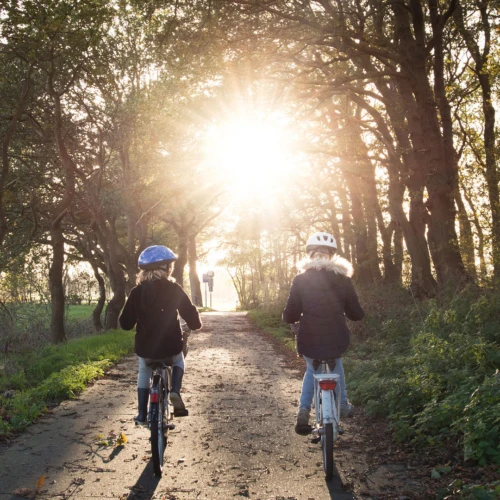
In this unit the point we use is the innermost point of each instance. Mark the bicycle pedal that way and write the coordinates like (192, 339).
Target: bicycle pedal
(170, 427)
(316, 440)
(181, 413)
(341, 430)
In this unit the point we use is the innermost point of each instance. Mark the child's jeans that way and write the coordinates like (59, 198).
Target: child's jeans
(145, 370)
(307, 394)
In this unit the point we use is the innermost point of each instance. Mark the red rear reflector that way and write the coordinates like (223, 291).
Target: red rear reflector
(328, 385)
(154, 397)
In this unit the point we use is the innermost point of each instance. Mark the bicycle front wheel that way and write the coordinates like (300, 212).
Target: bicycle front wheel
(158, 436)
(327, 445)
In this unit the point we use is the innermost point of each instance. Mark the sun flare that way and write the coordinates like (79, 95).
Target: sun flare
(250, 156)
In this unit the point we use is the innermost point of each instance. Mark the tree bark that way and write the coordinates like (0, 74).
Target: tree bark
(403, 168)
(484, 78)
(466, 239)
(480, 235)
(57, 331)
(346, 224)
(433, 152)
(96, 313)
(118, 286)
(194, 279)
(182, 259)
(364, 272)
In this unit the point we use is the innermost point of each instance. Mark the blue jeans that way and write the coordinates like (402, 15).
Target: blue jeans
(307, 394)
(145, 370)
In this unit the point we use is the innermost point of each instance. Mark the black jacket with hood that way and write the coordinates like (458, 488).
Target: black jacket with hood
(321, 298)
(155, 307)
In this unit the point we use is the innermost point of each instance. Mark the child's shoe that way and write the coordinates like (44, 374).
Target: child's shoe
(302, 426)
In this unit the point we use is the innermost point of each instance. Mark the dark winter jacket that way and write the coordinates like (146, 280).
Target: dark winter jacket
(321, 298)
(155, 307)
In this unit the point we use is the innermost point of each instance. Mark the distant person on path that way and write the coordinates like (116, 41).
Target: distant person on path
(155, 305)
(321, 298)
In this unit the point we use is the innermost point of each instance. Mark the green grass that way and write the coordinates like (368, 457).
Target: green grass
(79, 313)
(54, 373)
(270, 321)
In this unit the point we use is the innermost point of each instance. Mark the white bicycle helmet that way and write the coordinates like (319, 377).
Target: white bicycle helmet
(321, 241)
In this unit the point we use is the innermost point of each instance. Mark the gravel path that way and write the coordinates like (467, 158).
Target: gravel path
(237, 442)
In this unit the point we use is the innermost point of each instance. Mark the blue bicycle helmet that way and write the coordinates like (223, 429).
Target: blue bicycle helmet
(155, 256)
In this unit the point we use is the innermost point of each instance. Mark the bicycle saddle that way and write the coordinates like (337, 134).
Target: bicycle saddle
(159, 363)
(330, 362)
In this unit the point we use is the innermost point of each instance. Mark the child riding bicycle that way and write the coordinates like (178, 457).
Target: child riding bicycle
(155, 305)
(321, 298)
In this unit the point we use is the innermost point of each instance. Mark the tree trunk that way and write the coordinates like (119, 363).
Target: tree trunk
(466, 239)
(334, 223)
(180, 263)
(403, 168)
(422, 281)
(481, 57)
(347, 231)
(117, 281)
(57, 331)
(398, 253)
(96, 313)
(115, 305)
(480, 235)
(433, 163)
(363, 266)
(194, 279)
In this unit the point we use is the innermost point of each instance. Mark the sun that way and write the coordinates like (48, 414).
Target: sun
(250, 156)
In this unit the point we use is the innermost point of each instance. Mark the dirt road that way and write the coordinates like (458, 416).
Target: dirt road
(237, 442)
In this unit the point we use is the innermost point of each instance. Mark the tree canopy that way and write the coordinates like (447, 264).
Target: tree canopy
(128, 123)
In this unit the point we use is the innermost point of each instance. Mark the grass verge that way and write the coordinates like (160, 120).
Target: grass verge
(31, 381)
(269, 320)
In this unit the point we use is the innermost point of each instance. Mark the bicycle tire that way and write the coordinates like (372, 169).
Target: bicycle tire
(158, 437)
(327, 446)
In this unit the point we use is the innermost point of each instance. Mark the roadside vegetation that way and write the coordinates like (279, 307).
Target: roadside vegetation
(35, 376)
(430, 367)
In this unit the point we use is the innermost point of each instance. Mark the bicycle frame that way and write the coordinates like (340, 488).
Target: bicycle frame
(159, 413)
(327, 409)
(326, 384)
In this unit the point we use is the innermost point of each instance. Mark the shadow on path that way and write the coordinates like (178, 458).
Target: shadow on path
(146, 484)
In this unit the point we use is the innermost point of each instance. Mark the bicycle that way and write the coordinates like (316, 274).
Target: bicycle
(159, 414)
(327, 410)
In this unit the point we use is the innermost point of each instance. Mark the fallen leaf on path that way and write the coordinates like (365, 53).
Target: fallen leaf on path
(39, 483)
(121, 439)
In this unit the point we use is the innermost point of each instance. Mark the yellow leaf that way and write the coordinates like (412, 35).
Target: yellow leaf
(39, 484)
(121, 440)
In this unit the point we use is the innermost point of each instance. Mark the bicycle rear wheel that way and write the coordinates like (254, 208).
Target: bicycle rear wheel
(327, 446)
(158, 433)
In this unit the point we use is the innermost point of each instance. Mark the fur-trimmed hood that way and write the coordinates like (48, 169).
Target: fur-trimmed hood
(338, 265)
